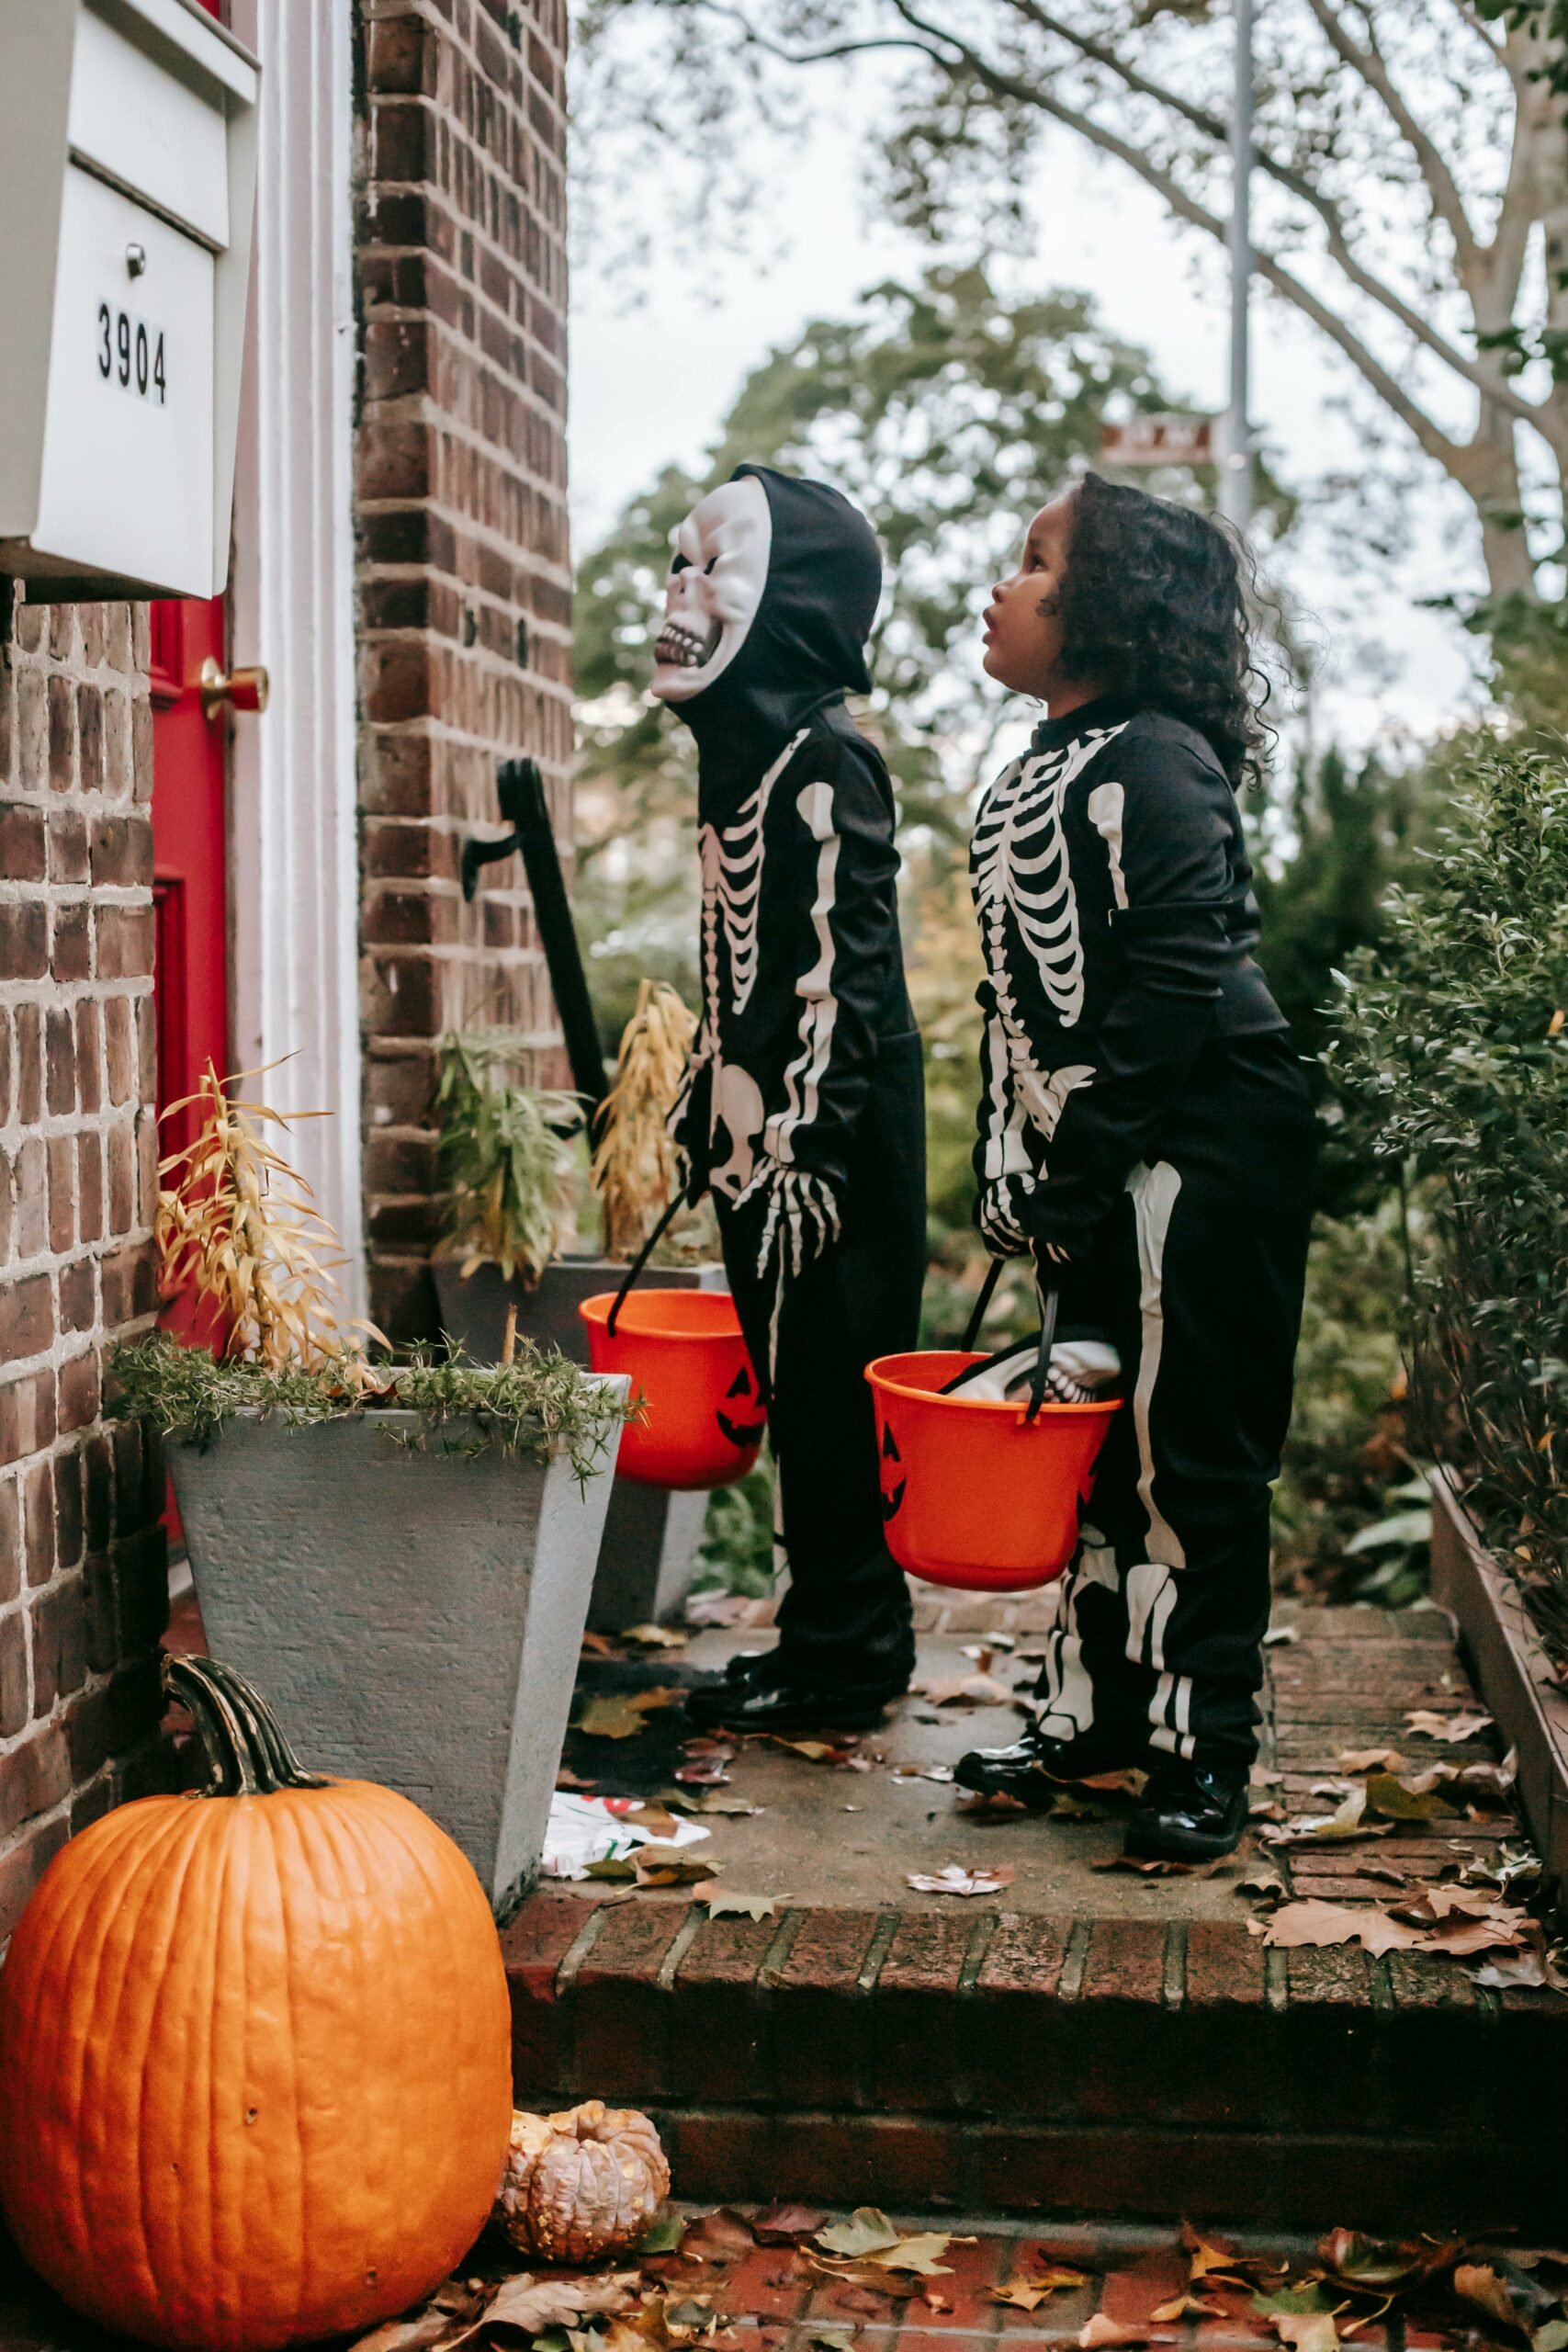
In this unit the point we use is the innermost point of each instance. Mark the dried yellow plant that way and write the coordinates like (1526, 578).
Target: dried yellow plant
(634, 1163)
(237, 1226)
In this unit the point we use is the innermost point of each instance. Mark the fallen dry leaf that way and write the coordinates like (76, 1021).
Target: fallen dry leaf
(1370, 1759)
(1524, 1972)
(1262, 1878)
(815, 1751)
(656, 1637)
(1030, 2289)
(565, 1780)
(784, 2224)
(708, 1801)
(611, 1716)
(976, 1808)
(954, 1880)
(530, 2305)
(672, 1866)
(455, 2316)
(724, 1903)
(918, 2255)
(1326, 1924)
(1207, 2259)
(1149, 1868)
(867, 2231)
(1398, 1800)
(1477, 2283)
(1442, 1902)
(1364, 2266)
(1188, 2307)
(1427, 1724)
(1278, 1634)
(964, 1691)
(1102, 2331)
(703, 1772)
(1307, 2331)
(1130, 1782)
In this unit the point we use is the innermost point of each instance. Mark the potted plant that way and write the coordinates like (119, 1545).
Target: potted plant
(506, 1263)
(402, 1553)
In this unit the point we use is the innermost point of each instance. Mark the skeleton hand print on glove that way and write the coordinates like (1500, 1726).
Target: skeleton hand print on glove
(800, 1216)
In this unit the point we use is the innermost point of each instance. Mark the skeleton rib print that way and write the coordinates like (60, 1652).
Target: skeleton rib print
(1020, 866)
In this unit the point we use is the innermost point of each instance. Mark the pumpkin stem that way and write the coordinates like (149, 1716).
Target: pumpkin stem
(245, 1749)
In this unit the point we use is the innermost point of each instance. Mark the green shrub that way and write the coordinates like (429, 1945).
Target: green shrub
(1453, 1054)
(504, 1156)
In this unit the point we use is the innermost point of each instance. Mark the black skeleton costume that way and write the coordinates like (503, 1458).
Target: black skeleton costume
(1145, 1131)
(802, 1109)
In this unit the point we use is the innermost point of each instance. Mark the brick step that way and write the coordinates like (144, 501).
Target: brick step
(1011, 2063)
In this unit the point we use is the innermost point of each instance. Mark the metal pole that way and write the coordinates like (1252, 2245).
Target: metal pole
(1235, 471)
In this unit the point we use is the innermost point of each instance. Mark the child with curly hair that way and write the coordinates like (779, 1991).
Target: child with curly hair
(1145, 1135)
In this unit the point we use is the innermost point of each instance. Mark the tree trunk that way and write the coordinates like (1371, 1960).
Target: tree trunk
(1490, 472)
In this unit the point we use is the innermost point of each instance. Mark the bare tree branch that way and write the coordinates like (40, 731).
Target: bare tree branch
(1448, 204)
(1485, 380)
(1448, 453)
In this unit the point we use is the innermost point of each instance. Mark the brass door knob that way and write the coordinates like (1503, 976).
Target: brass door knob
(241, 689)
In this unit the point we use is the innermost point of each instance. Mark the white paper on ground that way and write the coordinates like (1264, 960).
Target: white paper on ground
(599, 1829)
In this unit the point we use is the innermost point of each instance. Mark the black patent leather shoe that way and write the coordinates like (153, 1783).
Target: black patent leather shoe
(1033, 1767)
(749, 1702)
(1190, 1813)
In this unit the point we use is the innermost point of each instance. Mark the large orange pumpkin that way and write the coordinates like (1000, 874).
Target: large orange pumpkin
(255, 2069)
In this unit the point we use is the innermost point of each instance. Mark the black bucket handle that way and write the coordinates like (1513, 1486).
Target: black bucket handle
(1049, 1305)
(639, 1263)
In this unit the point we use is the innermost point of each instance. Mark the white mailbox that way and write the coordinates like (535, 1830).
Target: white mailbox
(127, 187)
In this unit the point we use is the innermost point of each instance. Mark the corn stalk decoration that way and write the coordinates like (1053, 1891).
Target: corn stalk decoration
(238, 1230)
(634, 1170)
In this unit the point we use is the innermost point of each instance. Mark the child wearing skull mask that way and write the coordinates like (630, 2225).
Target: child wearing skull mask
(802, 1106)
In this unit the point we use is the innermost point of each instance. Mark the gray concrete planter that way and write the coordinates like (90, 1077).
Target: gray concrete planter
(1529, 1705)
(413, 1616)
(647, 1560)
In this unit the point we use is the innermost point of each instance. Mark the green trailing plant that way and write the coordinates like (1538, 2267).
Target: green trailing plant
(502, 1155)
(1453, 1053)
(540, 1404)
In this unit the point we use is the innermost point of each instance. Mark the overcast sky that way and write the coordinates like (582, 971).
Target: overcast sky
(651, 384)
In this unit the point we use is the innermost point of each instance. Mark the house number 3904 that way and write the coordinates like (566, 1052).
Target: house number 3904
(130, 353)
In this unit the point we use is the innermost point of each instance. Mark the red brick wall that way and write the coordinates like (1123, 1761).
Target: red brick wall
(464, 587)
(83, 1597)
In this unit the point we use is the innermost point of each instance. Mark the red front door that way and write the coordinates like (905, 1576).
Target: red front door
(190, 859)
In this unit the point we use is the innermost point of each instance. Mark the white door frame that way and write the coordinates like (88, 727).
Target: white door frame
(294, 857)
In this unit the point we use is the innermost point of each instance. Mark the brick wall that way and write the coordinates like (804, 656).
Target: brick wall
(83, 1597)
(464, 587)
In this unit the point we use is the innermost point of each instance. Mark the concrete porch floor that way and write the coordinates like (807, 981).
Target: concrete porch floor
(850, 1834)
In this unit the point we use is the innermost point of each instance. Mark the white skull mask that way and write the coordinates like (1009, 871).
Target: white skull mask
(714, 586)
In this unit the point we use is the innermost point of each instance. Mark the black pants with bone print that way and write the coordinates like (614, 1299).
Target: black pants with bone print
(1159, 1621)
(844, 1619)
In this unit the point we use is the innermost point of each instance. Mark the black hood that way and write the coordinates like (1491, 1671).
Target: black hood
(806, 645)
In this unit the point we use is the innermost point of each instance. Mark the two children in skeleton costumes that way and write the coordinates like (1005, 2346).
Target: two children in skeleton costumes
(1145, 1133)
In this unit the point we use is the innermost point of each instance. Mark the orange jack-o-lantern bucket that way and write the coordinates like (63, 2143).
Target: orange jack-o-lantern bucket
(702, 1420)
(982, 1493)
(973, 1493)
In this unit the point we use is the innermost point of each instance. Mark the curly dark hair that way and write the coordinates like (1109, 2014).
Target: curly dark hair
(1160, 602)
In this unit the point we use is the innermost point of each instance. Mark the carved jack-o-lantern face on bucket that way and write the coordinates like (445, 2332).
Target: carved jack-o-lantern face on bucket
(893, 1479)
(742, 1432)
